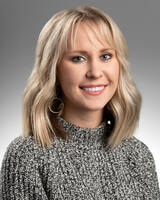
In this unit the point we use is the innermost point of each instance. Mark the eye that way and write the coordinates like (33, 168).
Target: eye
(106, 56)
(77, 59)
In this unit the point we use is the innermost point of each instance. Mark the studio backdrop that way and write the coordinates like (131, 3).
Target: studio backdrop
(21, 23)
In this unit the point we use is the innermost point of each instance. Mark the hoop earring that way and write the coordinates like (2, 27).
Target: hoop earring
(59, 106)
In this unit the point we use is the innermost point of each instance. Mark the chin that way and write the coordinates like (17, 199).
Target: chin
(95, 108)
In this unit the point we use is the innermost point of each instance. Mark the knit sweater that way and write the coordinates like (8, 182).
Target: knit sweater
(82, 167)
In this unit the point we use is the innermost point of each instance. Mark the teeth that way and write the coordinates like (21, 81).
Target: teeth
(94, 89)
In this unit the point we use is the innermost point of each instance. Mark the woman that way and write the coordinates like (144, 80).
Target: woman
(80, 110)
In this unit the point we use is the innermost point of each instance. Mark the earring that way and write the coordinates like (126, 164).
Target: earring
(55, 103)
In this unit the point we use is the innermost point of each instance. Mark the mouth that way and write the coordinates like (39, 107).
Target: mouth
(94, 90)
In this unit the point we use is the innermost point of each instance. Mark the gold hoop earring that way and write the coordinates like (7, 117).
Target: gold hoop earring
(60, 106)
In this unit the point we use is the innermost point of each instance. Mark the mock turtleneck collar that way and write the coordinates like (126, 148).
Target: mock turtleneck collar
(84, 135)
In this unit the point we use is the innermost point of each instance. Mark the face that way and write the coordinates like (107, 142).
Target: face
(88, 73)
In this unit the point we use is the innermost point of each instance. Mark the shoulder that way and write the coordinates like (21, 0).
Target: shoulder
(137, 150)
(26, 151)
(20, 145)
(22, 158)
(22, 151)
(18, 148)
(135, 144)
(24, 165)
(20, 142)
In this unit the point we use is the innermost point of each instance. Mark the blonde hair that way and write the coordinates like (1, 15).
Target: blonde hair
(42, 86)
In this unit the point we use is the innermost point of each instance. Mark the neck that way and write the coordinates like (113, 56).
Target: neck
(90, 119)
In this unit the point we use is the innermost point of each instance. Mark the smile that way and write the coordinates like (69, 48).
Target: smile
(94, 90)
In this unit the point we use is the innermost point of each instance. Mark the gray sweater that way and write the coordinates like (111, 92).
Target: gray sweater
(81, 168)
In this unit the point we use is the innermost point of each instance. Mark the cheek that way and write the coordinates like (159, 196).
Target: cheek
(116, 72)
(113, 72)
(68, 77)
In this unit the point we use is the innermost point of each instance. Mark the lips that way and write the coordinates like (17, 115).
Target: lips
(92, 86)
(93, 90)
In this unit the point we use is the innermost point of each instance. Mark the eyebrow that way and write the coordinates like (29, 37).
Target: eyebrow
(85, 52)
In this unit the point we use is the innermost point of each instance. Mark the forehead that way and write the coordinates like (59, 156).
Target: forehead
(84, 34)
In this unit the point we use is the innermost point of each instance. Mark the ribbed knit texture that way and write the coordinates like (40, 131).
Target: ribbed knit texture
(81, 168)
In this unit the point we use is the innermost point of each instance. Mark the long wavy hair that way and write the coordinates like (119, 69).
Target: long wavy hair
(43, 86)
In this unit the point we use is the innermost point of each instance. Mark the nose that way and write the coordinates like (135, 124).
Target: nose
(94, 70)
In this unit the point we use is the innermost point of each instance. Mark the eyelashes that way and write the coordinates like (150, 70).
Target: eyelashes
(77, 59)
(104, 57)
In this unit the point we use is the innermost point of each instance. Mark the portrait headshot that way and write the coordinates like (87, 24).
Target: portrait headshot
(80, 100)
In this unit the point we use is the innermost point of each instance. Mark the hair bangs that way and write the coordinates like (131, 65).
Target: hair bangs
(102, 32)
(100, 29)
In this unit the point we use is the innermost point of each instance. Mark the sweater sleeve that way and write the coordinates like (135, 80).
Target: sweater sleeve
(146, 169)
(20, 176)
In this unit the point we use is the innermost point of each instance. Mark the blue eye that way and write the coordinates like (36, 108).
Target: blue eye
(106, 56)
(77, 59)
